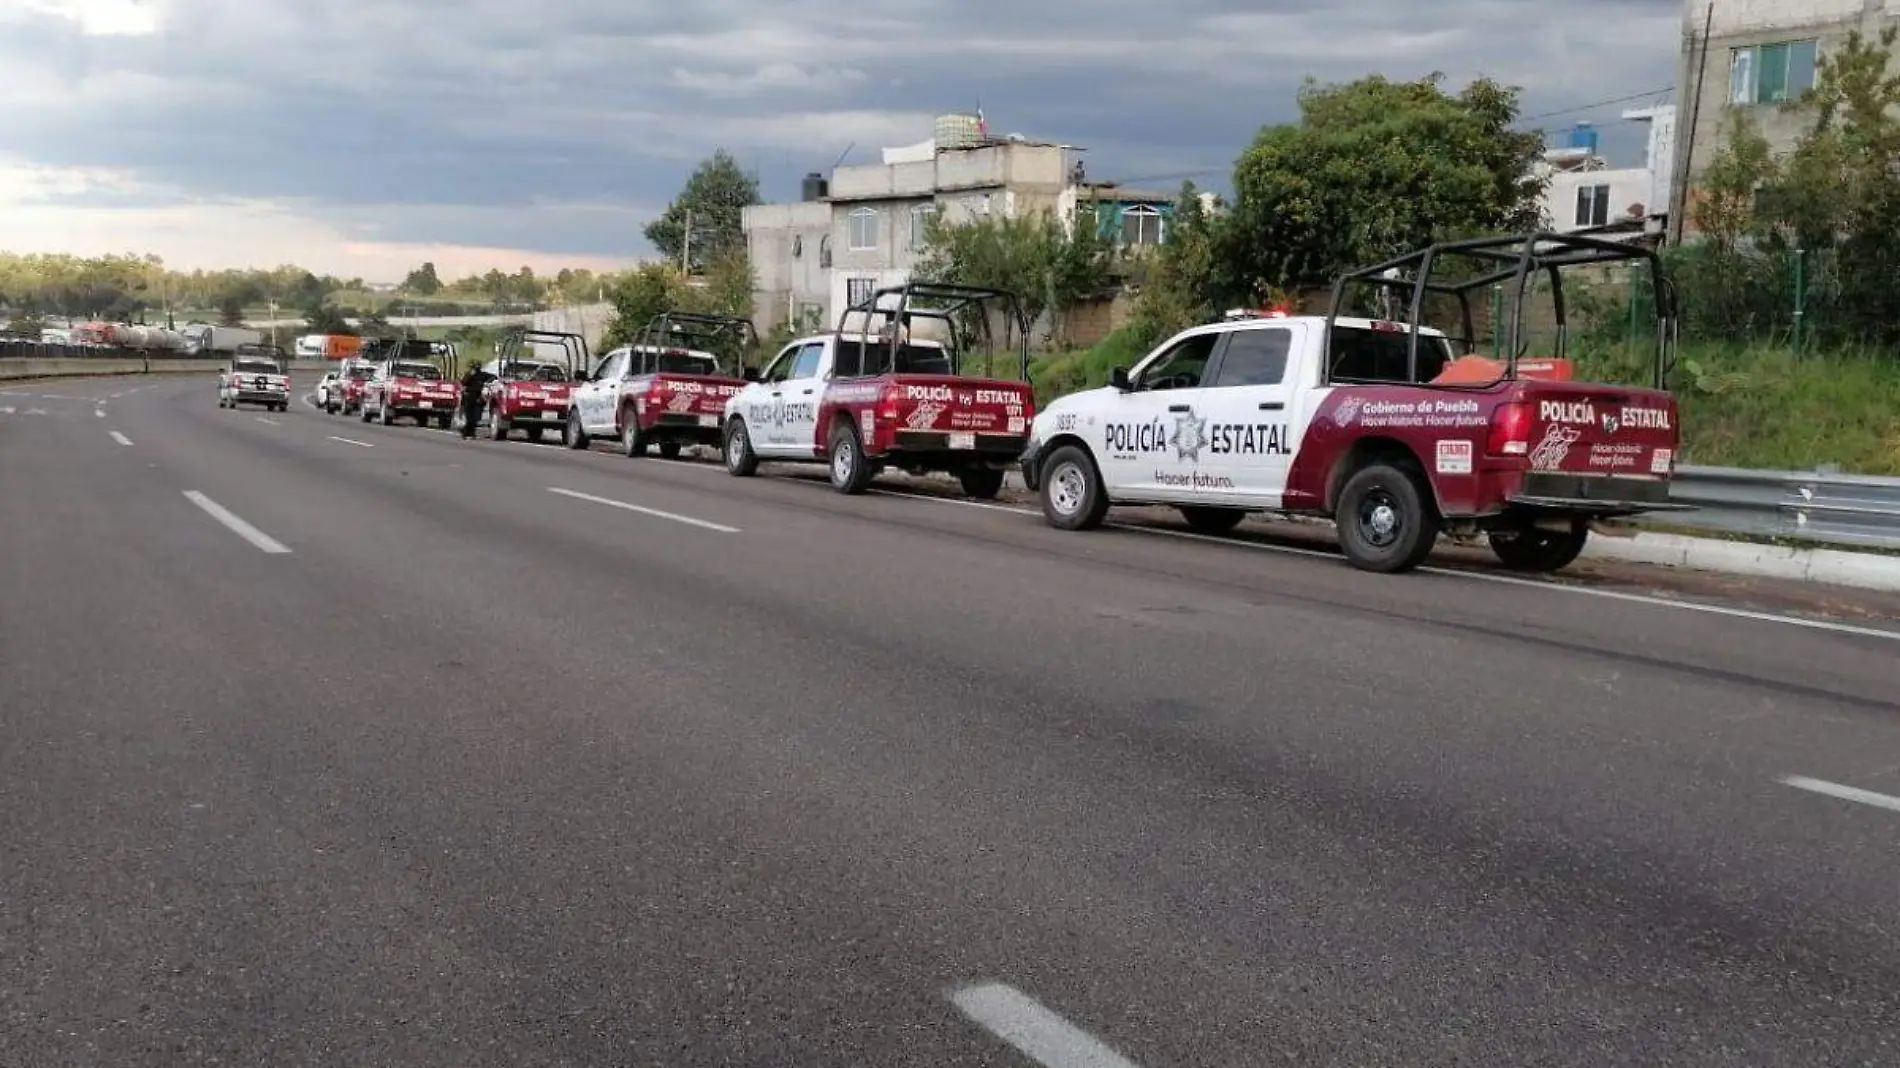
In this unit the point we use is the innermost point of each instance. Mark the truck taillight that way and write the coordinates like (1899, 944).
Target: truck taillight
(1510, 430)
(890, 402)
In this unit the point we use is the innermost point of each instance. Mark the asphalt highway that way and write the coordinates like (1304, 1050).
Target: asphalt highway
(324, 743)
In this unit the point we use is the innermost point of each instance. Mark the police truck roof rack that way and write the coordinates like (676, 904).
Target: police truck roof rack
(964, 310)
(1457, 269)
(705, 332)
(516, 344)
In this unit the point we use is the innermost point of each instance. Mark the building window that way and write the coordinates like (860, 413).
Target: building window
(863, 229)
(920, 217)
(1770, 73)
(1593, 205)
(824, 251)
(1141, 225)
(858, 291)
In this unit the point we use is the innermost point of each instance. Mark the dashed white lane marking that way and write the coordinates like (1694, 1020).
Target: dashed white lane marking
(237, 526)
(656, 513)
(100, 412)
(1479, 576)
(7, 410)
(1845, 793)
(120, 438)
(1033, 1030)
(114, 396)
(351, 441)
(268, 422)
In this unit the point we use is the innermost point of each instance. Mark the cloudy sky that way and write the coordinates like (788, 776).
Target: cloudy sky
(362, 136)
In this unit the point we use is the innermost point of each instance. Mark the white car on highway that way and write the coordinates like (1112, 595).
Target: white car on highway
(324, 386)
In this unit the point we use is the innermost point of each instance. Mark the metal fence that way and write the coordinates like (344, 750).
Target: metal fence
(1859, 510)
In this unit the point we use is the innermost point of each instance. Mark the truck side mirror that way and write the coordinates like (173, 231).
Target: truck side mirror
(1119, 379)
(751, 374)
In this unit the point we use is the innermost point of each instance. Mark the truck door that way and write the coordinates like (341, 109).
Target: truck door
(1252, 414)
(1154, 437)
(795, 402)
(596, 399)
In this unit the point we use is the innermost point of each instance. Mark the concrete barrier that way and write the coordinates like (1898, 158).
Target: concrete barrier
(17, 369)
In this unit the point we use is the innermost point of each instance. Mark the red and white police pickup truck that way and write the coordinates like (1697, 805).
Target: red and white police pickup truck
(532, 388)
(254, 379)
(668, 389)
(864, 400)
(411, 383)
(1380, 425)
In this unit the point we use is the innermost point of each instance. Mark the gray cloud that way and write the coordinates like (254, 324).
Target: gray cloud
(559, 126)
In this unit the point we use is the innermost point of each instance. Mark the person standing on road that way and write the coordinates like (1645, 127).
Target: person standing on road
(473, 383)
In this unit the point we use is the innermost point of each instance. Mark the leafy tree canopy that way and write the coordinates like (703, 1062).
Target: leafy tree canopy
(714, 198)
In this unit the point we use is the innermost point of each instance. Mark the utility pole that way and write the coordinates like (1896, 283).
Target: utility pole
(273, 323)
(686, 250)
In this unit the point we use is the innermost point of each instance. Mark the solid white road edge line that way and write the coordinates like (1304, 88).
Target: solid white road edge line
(1845, 793)
(1033, 1030)
(238, 526)
(1479, 576)
(120, 438)
(611, 503)
(351, 441)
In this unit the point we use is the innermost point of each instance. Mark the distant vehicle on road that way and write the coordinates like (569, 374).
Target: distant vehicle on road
(206, 339)
(254, 378)
(669, 389)
(325, 386)
(872, 395)
(346, 397)
(1395, 430)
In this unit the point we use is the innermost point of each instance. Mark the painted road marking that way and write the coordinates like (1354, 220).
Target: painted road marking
(270, 422)
(1033, 1030)
(100, 412)
(120, 438)
(238, 526)
(352, 441)
(1845, 793)
(609, 502)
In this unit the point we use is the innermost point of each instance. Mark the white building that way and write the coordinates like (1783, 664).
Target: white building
(1584, 192)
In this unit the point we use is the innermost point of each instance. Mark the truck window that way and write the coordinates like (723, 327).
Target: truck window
(805, 364)
(1180, 367)
(1362, 355)
(1254, 358)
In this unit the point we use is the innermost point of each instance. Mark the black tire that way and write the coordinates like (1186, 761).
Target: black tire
(385, 415)
(364, 410)
(1530, 548)
(851, 473)
(1204, 520)
(1386, 523)
(1073, 497)
(669, 450)
(741, 461)
(981, 483)
(632, 442)
(498, 427)
(571, 433)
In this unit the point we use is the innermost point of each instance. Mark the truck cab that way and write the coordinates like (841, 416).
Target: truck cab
(1395, 430)
(875, 394)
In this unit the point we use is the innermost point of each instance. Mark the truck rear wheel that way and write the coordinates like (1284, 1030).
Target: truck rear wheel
(850, 472)
(571, 433)
(1385, 524)
(982, 483)
(1073, 497)
(1530, 548)
(1206, 520)
(632, 442)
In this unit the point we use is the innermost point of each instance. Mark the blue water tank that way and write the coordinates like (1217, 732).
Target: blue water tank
(1584, 136)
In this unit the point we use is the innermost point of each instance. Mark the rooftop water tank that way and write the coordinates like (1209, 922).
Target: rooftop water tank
(1584, 136)
(958, 130)
(815, 187)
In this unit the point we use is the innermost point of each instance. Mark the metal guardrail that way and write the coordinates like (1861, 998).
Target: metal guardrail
(1819, 506)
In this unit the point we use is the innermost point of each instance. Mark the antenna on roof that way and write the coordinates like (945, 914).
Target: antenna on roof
(839, 162)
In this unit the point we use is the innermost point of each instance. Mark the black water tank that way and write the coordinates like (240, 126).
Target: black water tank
(815, 187)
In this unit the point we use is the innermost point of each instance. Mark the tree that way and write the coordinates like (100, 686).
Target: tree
(714, 199)
(1375, 168)
(1178, 282)
(422, 281)
(641, 294)
(326, 318)
(1049, 267)
(231, 310)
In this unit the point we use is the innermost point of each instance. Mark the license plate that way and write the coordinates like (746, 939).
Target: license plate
(708, 420)
(426, 404)
(963, 441)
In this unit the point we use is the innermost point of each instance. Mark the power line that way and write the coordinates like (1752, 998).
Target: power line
(1598, 104)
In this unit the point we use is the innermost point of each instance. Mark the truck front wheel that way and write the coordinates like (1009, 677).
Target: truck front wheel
(1384, 522)
(741, 461)
(1073, 497)
(1529, 548)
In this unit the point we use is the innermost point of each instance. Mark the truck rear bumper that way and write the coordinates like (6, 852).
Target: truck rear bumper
(1600, 495)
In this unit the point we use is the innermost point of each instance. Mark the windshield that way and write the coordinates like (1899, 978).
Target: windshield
(360, 373)
(426, 371)
(254, 367)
